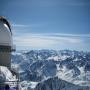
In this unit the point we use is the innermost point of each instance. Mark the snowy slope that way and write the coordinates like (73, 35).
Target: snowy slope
(6, 75)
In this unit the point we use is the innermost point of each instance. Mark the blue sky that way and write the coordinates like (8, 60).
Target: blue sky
(49, 24)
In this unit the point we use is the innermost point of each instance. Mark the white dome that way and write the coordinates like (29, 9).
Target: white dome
(5, 34)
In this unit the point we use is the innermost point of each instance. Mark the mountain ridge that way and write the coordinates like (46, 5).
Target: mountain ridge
(39, 65)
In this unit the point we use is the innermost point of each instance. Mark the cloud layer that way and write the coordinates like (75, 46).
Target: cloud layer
(52, 41)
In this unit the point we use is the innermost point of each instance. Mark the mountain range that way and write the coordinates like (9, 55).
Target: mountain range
(53, 69)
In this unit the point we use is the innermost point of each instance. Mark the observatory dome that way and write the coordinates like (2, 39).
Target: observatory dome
(5, 33)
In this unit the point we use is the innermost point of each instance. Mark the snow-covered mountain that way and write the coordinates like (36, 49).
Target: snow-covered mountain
(37, 66)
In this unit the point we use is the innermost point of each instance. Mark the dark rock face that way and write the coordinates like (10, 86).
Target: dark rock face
(58, 84)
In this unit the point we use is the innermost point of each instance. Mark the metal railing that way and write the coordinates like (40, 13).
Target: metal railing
(5, 44)
(12, 84)
(6, 48)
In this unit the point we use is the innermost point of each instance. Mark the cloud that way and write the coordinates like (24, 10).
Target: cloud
(28, 26)
(46, 41)
(70, 35)
(20, 25)
(25, 26)
(78, 2)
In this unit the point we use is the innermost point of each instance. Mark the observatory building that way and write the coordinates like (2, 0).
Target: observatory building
(6, 43)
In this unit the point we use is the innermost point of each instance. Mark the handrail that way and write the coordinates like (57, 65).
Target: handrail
(7, 47)
(12, 81)
(14, 84)
(6, 44)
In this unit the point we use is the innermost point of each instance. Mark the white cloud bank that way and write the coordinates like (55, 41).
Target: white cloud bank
(52, 41)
